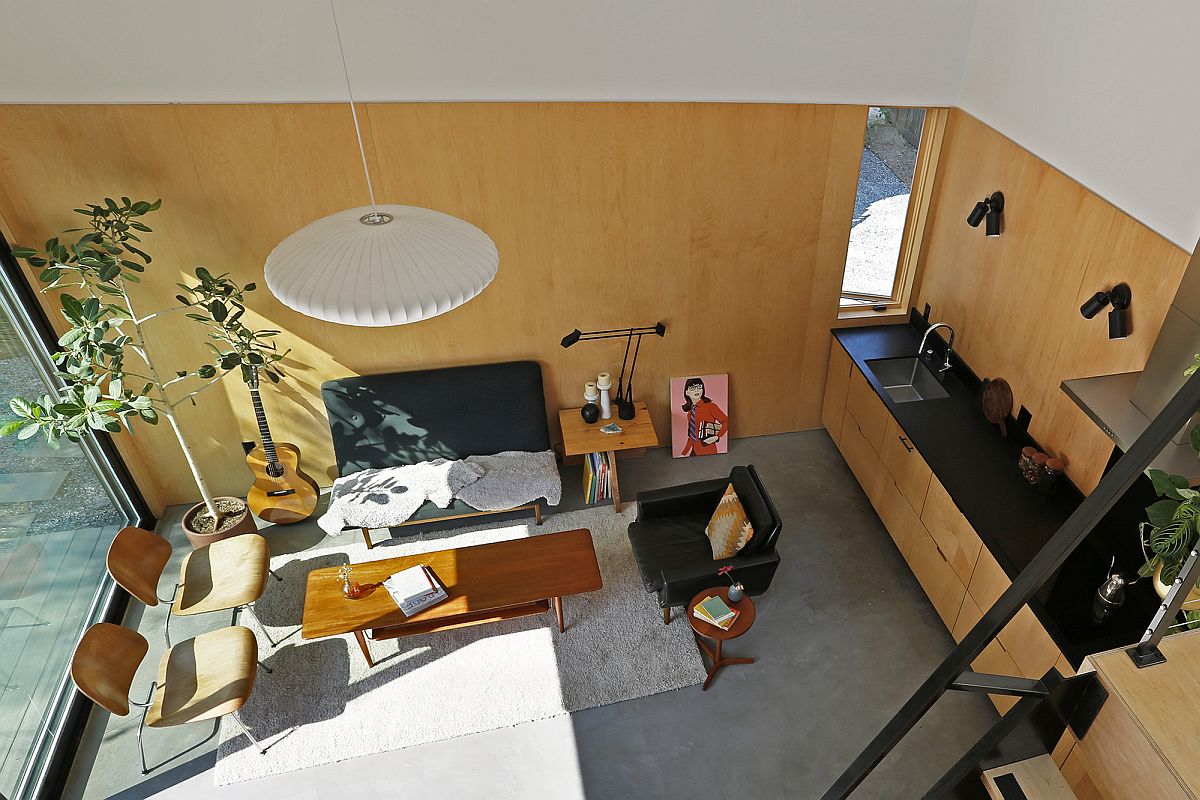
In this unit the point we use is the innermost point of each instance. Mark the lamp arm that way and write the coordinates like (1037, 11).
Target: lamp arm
(621, 377)
(632, 369)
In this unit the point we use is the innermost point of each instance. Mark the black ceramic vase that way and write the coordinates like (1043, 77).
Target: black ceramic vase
(590, 412)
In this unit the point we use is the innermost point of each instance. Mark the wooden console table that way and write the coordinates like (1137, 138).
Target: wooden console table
(581, 438)
(485, 583)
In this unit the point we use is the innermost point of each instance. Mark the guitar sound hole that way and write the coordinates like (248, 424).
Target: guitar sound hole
(275, 470)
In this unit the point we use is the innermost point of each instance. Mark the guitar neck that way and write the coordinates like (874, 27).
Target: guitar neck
(264, 431)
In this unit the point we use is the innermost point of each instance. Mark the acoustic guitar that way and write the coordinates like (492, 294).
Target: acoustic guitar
(281, 493)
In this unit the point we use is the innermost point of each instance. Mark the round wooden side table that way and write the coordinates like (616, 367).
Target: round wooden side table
(705, 630)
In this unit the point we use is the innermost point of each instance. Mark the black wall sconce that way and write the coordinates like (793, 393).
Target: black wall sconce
(989, 208)
(624, 398)
(1119, 324)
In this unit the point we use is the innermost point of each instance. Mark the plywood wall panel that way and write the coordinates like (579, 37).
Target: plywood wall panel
(1014, 301)
(728, 222)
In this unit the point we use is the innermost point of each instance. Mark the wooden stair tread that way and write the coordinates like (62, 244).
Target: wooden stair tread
(1039, 778)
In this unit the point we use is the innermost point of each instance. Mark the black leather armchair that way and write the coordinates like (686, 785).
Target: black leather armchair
(675, 557)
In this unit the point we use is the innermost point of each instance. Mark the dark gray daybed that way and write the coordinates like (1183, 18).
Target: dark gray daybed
(404, 418)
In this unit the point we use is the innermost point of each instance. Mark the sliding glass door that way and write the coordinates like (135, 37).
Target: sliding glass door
(59, 510)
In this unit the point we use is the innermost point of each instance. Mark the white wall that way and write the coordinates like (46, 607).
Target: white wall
(1104, 90)
(870, 51)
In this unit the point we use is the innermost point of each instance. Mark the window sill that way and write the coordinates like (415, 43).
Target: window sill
(851, 317)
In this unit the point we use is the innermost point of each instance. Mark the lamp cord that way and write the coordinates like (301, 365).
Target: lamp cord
(354, 113)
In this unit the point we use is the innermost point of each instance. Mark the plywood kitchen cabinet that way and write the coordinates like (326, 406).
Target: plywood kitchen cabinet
(867, 408)
(837, 381)
(908, 469)
(950, 529)
(937, 578)
(863, 460)
(947, 556)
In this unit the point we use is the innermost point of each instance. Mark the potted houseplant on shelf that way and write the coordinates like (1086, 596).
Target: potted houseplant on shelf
(109, 374)
(1171, 530)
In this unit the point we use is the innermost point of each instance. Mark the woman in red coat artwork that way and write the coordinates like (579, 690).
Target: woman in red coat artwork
(707, 424)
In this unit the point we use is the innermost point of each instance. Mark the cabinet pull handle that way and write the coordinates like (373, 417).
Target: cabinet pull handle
(907, 446)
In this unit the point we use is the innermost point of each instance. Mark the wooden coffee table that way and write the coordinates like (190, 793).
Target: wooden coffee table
(705, 630)
(485, 583)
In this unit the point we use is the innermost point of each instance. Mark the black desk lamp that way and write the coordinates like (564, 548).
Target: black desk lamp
(624, 398)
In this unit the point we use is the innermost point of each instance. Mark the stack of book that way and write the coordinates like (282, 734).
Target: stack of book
(595, 478)
(415, 589)
(714, 611)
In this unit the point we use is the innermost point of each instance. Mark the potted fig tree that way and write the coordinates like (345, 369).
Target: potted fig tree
(110, 378)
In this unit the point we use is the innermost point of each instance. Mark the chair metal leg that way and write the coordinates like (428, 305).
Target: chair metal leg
(268, 669)
(167, 627)
(141, 748)
(250, 607)
(274, 574)
(253, 741)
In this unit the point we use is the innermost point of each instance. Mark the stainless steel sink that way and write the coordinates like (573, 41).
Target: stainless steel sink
(907, 379)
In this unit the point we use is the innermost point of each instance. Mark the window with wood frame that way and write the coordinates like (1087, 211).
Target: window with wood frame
(895, 181)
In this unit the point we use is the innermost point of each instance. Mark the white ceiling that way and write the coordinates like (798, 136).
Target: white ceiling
(1101, 89)
(870, 51)
(1105, 90)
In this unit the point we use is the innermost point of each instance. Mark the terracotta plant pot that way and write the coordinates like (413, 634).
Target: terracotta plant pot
(244, 524)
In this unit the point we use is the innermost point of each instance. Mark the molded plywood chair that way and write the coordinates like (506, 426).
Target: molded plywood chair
(227, 574)
(202, 678)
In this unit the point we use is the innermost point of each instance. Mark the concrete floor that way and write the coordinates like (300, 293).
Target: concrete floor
(842, 639)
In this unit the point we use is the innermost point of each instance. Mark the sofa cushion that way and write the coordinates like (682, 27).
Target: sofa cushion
(671, 542)
(405, 417)
(729, 529)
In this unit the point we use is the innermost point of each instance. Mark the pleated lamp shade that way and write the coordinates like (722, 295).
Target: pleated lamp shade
(415, 264)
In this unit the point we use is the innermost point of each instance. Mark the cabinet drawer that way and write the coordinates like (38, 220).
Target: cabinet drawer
(994, 658)
(908, 469)
(1029, 645)
(901, 521)
(950, 529)
(863, 461)
(988, 581)
(936, 577)
(867, 408)
(837, 382)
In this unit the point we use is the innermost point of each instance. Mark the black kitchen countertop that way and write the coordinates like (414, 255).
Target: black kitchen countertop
(976, 465)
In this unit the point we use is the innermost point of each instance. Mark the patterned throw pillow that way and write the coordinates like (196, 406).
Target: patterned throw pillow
(729, 529)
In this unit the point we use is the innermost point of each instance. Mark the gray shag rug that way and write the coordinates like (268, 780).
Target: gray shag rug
(323, 704)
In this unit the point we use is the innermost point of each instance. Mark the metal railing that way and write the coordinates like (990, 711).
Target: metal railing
(954, 673)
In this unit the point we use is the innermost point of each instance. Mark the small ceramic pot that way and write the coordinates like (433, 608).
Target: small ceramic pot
(736, 592)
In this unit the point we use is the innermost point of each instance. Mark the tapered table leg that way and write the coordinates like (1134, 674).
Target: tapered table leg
(612, 479)
(558, 612)
(718, 659)
(362, 642)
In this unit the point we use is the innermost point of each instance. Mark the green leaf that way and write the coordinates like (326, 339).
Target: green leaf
(9, 428)
(1162, 512)
(250, 287)
(230, 360)
(218, 310)
(1166, 484)
(23, 252)
(206, 371)
(28, 432)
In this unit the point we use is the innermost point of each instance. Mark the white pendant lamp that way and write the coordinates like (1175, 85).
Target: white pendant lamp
(380, 265)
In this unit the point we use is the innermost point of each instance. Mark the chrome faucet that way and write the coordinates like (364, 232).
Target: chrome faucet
(921, 352)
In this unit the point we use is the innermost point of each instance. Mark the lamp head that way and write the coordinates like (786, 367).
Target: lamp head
(1094, 305)
(661, 329)
(977, 214)
(571, 338)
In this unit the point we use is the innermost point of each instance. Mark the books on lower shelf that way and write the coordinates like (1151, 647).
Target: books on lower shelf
(596, 483)
(415, 589)
(714, 611)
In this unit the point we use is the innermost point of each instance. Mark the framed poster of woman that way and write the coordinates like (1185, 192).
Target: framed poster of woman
(699, 415)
